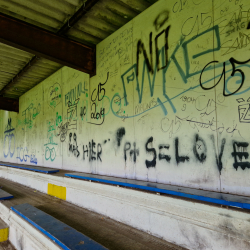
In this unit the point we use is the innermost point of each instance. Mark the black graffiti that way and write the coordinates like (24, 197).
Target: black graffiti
(105, 141)
(218, 159)
(180, 4)
(100, 91)
(72, 120)
(202, 19)
(85, 152)
(97, 115)
(127, 146)
(91, 153)
(150, 150)
(9, 127)
(73, 146)
(161, 19)
(164, 156)
(133, 152)
(99, 151)
(177, 156)
(75, 93)
(149, 61)
(96, 97)
(119, 135)
(200, 149)
(241, 41)
(223, 75)
(239, 151)
(83, 111)
(63, 130)
(244, 111)
(166, 31)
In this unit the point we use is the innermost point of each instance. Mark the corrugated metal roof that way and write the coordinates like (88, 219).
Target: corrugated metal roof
(104, 18)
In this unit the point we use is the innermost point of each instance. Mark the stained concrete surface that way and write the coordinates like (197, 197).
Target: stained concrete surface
(110, 233)
(6, 245)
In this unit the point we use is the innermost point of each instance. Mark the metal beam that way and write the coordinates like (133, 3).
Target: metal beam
(46, 44)
(77, 16)
(62, 31)
(9, 104)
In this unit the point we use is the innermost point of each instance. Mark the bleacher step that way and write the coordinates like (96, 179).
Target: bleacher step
(4, 231)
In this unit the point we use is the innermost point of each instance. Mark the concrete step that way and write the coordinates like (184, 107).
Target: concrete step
(4, 231)
(107, 232)
(6, 245)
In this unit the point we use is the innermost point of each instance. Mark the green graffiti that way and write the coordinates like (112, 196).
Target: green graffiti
(53, 103)
(30, 114)
(50, 127)
(58, 119)
(75, 93)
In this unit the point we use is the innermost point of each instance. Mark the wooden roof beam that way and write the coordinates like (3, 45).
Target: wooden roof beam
(9, 104)
(46, 44)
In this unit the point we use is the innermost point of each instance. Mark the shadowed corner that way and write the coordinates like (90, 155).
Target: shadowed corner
(248, 26)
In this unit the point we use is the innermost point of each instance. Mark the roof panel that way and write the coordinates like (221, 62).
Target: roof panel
(75, 2)
(41, 8)
(24, 11)
(14, 50)
(82, 36)
(104, 18)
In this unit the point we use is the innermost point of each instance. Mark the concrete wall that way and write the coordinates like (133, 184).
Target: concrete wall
(170, 103)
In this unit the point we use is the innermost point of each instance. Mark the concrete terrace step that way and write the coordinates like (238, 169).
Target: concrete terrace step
(4, 231)
(6, 245)
(30, 167)
(63, 235)
(182, 192)
(4, 195)
(111, 234)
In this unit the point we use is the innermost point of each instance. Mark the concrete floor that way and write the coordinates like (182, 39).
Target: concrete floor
(111, 234)
(6, 246)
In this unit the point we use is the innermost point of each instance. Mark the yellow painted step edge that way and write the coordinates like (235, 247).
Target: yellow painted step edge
(57, 191)
(4, 234)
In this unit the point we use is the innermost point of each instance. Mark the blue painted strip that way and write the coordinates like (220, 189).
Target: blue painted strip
(4, 195)
(32, 168)
(40, 229)
(162, 106)
(7, 197)
(207, 196)
(63, 235)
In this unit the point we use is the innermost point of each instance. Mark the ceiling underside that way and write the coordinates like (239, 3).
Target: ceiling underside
(87, 22)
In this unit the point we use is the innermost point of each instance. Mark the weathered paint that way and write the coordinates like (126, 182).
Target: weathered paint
(4, 230)
(4, 234)
(57, 191)
(147, 115)
(31, 168)
(184, 222)
(4, 195)
(198, 195)
(63, 235)
(133, 120)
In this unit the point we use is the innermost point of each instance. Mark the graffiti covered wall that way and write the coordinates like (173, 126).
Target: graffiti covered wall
(170, 102)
